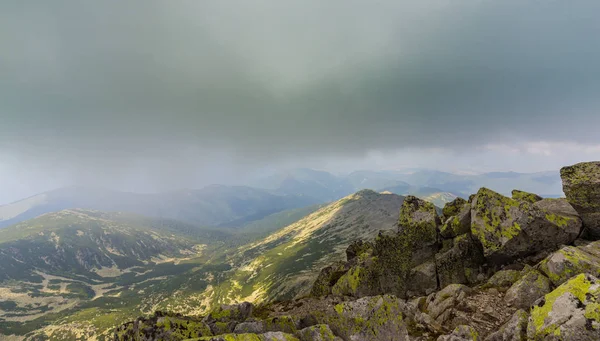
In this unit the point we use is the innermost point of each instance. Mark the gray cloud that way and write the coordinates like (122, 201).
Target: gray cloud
(145, 84)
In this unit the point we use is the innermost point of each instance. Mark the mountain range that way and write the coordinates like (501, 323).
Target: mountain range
(236, 206)
(75, 262)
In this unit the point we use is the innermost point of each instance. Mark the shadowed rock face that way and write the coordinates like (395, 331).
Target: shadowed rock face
(581, 184)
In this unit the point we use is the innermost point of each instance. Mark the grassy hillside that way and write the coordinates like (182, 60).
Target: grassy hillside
(285, 263)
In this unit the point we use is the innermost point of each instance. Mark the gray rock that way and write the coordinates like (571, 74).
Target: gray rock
(509, 229)
(528, 289)
(255, 327)
(277, 336)
(370, 319)
(422, 280)
(504, 278)
(581, 184)
(569, 261)
(570, 312)
(440, 305)
(327, 279)
(460, 264)
(513, 330)
(458, 224)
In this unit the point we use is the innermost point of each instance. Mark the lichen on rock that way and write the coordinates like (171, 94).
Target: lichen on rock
(570, 312)
(581, 184)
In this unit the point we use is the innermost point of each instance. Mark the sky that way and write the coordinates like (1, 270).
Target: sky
(146, 95)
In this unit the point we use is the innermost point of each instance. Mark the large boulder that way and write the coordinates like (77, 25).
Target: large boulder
(570, 261)
(581, 184)
(513, 330)
(418, 227)
(570, 312)
(461, 263)
(528, 289)
(509, 229)
(416, 243)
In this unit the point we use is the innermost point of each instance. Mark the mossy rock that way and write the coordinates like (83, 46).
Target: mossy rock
(570, 261)
(581, 184)
(453, 207)
(528, 289)
(270, 336)
(569, 312)
(286, 324)
(358, 249)
(358, 281)
(163, 326)
(525, 196)
(320, 332)
(503, 279)
(327, 279)
(460, 264)
(369, 319)
(509, 229)
(457, 224)
(419, 221)
(223, 319)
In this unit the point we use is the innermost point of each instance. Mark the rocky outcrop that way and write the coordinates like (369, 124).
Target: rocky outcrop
(389, 289)
(581, 184)
(163, 326)
(509, 229)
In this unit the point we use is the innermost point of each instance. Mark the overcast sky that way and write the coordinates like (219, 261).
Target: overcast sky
(152, 95)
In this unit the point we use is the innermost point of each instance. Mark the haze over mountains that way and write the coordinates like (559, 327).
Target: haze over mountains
(235, 206)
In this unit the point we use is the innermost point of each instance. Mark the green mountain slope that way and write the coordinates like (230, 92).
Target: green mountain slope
(54, 264)
(80, 272)
(285, 263)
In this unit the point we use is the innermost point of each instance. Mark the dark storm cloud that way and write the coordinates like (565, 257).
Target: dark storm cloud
(152, 83)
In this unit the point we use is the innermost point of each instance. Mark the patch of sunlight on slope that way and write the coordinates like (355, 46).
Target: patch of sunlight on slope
(284, 264)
